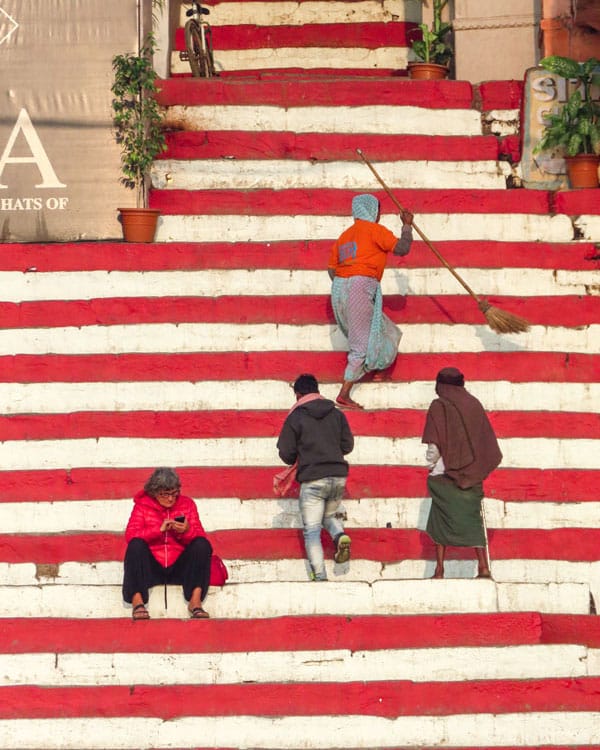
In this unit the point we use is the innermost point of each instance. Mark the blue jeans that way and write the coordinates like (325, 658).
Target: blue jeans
(319, 503)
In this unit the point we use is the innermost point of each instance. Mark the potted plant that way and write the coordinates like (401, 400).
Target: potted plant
(433, 50)
(138, 129)
(574, 131)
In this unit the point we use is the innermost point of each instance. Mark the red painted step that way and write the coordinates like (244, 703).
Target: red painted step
(381, 545)
(252, 423)
(387, 699)
(541, 485)
(516, 367)
(31, 635)
(307, 254)
(365, 35)
(288, 310)
(337, 202)
(315, 91)
(213, 144)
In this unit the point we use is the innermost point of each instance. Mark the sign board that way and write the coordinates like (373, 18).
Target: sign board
(59, 163)
(544, 93)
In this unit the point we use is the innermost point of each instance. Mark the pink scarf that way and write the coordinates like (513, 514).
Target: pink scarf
(284, 482)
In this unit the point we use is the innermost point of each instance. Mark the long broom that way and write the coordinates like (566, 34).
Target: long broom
(498, 320)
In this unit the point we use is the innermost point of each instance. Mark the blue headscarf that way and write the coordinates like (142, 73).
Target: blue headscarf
(365, 207)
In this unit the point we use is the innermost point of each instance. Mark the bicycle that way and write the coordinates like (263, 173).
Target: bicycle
(198, 42)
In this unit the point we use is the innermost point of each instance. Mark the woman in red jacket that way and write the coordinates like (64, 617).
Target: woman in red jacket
(165, 544)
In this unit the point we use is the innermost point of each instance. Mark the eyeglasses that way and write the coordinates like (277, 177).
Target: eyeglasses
(167, 493)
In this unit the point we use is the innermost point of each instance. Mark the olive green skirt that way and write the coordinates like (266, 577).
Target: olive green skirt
(455, 518)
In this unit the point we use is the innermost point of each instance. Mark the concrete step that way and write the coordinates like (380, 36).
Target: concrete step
(230, 513)
(575, 485)
(420, 665)
(123, 452)
(369, 35)
(241, 571)
(382, 545)
(357, 731)
(283, 598)
(306, 254)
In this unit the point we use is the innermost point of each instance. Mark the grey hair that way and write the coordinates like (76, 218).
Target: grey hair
(163, 479)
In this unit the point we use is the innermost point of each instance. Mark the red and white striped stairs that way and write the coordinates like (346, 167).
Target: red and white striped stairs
(117, 358)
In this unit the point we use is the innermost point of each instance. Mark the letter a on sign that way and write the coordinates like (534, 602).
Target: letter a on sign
(38, 153)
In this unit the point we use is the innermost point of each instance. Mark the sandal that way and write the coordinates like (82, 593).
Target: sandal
(198, 614)
(139, 612)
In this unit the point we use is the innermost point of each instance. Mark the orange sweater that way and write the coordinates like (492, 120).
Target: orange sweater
(362, 250)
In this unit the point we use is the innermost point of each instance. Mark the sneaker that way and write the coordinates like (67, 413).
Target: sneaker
(342, 549)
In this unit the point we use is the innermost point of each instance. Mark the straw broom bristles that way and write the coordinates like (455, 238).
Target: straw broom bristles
(498, 320)
(501, 321)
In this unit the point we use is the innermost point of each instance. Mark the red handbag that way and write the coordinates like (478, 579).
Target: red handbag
(218, 571)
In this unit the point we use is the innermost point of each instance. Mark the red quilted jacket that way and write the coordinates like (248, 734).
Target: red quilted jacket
(146, 519)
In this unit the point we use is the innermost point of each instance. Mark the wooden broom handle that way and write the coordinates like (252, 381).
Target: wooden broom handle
(421, 234)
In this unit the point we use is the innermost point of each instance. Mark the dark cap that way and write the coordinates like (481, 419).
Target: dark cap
(450, 376)
(305, 383)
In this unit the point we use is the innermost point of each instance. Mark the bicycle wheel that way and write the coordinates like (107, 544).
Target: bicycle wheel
(193, 45)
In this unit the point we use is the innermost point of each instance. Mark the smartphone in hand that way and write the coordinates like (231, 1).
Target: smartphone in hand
(179, 519)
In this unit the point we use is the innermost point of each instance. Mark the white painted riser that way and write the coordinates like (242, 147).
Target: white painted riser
(227, 337)
(438, 227)
(83, 285)
(278, 599)
(297, 571)
(542, 453)
(58, 398)
(288, 174)
(417, 665)
(288, 13)
(304, 57)
(380, 119)
(293, 733)
(232, 513)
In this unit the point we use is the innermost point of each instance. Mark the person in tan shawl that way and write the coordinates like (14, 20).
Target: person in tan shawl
(462, 451)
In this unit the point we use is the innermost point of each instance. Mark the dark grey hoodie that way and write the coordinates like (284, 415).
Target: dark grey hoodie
(319, 436)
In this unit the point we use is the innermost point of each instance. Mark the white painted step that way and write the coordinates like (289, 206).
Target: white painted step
(327, 666)
(381, 119)
(84, 285)
(20, 455)
(297, 571)
(229, 337)
(283, 513)
(57, 398)
(438, 227)
(282, 174)
(291, 733)
(277, 599)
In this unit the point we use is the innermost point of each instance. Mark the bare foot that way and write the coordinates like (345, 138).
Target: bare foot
(348, 403)
(438, 572)
(484, 573)
(380, 375)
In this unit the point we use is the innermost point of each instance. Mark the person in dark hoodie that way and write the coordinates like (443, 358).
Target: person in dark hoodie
(166, 543)
(317, 436)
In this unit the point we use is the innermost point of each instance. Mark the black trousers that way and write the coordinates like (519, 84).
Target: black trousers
(142, 570)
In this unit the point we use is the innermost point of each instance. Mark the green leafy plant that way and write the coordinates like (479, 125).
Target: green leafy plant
(575, 128)
(137, 118)
(434, 45)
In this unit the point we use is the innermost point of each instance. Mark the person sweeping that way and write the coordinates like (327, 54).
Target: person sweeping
(356, 266)
(462, 450)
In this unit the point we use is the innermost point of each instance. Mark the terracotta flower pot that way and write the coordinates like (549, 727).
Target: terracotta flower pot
(582, 170)
(423, 71)
(139, 224)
